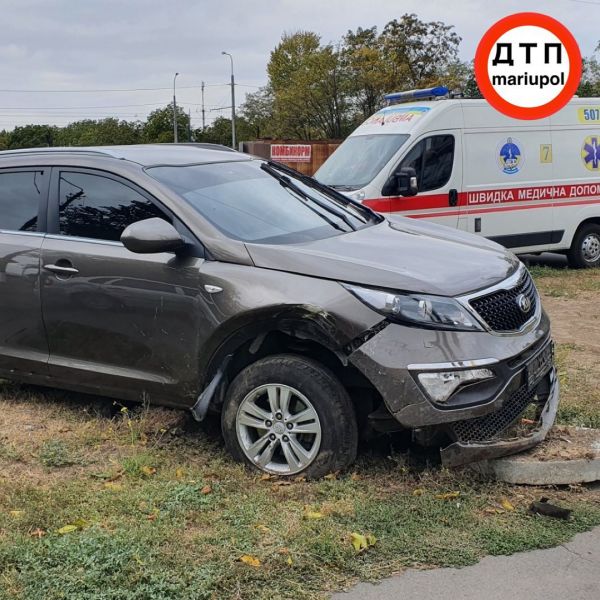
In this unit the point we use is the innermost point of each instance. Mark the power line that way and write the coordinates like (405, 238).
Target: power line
(184, 87)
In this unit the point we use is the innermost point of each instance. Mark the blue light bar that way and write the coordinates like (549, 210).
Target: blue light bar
(433, 92)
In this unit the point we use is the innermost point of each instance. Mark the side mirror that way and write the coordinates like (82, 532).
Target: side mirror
(401, 183)
(151, 236)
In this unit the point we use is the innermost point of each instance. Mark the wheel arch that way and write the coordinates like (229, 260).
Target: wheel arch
(297, 329)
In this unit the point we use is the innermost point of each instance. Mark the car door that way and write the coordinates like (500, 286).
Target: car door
(437, 162)
(119, 323)
(23, 345)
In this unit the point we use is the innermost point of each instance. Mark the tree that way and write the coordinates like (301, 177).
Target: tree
(159, 125)
(219, 132)
(589, 86)
(103, 132)
(362, 62)
(259, 112)
(32, 136)
(306, 79)
(417, 54)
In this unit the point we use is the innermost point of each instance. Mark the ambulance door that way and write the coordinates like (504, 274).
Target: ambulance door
(437, 161)
(507, 188)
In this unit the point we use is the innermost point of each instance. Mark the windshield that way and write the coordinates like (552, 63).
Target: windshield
(356, 162)
(247, 203)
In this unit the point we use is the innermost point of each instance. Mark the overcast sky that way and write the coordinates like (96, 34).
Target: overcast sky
(123, 44)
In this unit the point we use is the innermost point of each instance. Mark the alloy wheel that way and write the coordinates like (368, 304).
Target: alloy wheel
(278, 429)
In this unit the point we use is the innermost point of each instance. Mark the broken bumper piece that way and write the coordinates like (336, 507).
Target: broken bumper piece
(505, 429)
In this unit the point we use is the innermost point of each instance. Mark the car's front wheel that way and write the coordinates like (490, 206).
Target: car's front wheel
(289, 415)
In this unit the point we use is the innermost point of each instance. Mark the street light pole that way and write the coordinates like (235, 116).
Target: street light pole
(232, 101)
(174, 111)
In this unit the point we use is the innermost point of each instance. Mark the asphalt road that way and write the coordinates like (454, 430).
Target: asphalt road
(568, 572)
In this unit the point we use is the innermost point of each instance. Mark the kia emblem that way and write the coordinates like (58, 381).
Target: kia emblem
(524, 303)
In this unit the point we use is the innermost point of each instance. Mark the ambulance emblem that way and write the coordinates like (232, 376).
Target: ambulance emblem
(510, 157)
(590, 152)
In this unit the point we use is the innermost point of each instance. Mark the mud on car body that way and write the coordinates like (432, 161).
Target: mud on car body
(214, 281)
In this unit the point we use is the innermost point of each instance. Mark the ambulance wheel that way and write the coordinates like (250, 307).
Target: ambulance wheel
(585, 250)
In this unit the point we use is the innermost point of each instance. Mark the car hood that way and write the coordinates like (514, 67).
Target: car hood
(398, 253)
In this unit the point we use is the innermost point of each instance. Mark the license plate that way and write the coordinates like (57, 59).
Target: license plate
(539, 365)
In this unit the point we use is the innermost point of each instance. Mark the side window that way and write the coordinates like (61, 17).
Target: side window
(432, 159)
(92, 206)
(20, 195)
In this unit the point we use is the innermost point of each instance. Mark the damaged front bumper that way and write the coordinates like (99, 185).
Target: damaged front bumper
(489, 419)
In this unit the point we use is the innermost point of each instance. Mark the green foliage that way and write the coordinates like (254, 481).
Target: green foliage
(55, 453)
(158, 128)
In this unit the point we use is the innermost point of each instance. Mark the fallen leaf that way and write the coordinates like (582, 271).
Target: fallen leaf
(289, 561)
(148, 471)
(17, 513)
(313, 515)
(38, 533)
(263, 528)
(448, 496)
(67, 529)
(355, 476)
(266, 477)
(331, 475)
(362, 542)
(179, 473)
(250, 560)
(418, 492)
(206, 490)
(111, 485)
(492, 510)
(506, 504)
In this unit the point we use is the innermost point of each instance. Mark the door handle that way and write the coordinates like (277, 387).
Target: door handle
(61, 270)
(453, 197)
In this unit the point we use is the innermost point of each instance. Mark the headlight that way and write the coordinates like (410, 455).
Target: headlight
(441, 385)
(428, 311)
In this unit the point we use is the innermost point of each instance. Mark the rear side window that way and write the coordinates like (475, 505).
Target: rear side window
(432, 159)
(20, 196)
(93, 206)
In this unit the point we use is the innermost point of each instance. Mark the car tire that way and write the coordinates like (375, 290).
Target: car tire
(288, 415)
(585, 250)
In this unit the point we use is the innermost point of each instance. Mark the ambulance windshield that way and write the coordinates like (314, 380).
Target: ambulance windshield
(356, 162)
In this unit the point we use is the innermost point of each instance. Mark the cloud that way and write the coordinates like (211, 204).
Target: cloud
(75, 45)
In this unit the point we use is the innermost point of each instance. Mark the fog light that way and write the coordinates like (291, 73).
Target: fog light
(441, 385)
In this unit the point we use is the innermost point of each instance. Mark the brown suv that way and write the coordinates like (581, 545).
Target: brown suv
(211, 280)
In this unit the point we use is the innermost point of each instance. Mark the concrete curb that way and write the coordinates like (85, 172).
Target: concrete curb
(551, 472)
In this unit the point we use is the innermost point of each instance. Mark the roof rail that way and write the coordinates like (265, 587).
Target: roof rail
(47, 150)
(438, 92)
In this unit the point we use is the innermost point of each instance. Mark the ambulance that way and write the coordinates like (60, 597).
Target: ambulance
(531, 186)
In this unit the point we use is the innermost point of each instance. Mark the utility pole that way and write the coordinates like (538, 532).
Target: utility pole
(189, 125)
(175, 140)
(232, 101)
(203, 112)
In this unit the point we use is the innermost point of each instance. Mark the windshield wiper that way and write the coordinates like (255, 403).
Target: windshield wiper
(327, 190)
(288, 183)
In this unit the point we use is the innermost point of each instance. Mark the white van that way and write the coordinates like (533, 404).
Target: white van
(531, 186)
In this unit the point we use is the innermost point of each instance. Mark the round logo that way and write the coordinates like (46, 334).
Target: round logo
(510, 157)
(524, 303)
(528, 65)
(590, 152)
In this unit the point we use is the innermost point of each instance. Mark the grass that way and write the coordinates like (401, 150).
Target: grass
(141, 505)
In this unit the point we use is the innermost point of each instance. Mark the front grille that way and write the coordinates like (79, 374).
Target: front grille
(501, 310)
(491, 426)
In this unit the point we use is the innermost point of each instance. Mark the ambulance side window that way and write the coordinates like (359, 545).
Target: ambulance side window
(432, 159)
